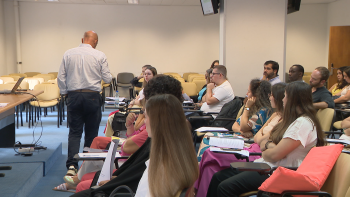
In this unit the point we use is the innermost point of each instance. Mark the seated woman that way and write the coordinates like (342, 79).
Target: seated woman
(215, 63)
(213, 162)
(136, 137)
(203, 91)
(132, 170)
(149, 73)
(289, 142)
(345, 93)
(257, 109)
(341, 83)
(175, 167)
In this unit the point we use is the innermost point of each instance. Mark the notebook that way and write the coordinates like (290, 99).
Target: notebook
(14, 87)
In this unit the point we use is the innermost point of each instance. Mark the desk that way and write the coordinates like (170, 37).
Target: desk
(7, 115)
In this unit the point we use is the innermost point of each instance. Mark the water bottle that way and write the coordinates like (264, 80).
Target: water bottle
(116, 97)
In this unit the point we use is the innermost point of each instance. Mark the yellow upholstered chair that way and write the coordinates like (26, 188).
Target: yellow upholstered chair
(325, 116)
(137, 89)
(52, 81)
(6, 86)
(31, 74)
(32, 82)
(192, 76)
(6, 79)
(307, 77)
(15, 77)
(24, 85)
(54, 74)
(337, 125)
(18, 74)
(185, 75)
(200, 83)
(189, 88)
(49, 98)
(46, 77)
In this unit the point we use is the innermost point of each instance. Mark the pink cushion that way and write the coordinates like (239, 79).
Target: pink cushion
(311, 174)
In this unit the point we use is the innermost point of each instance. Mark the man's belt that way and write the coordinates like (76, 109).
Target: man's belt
(84, 90)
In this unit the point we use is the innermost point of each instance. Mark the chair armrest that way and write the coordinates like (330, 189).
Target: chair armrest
(262, 168)
(117, 159)
(188, 107)
(200, 118)
(5, 167)
(314, 193)
(210, 113)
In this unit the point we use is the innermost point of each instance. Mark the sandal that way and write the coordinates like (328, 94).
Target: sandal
(70, 181)
(63, 188)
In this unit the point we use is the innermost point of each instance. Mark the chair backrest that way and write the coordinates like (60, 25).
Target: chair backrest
(24, 85)
(338, 181)
(6, 86)
(18, 74)
(6, 79)
(229, 110)
(53, 73)
(185, 75)
(31, 74)
(240, 112)
(52, 81)
(51, 91)
(124, 77)
(192, 76)
(32, 82)
(325, 116)
(1, 81)
(15, 77)
(189, 88)
(200, 83)
(46, 77)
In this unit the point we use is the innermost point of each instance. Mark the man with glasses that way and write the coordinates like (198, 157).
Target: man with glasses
(219, 91)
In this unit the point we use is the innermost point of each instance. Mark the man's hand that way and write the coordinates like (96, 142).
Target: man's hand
(211, 86)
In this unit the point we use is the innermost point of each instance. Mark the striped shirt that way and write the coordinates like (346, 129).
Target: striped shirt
(83, 67)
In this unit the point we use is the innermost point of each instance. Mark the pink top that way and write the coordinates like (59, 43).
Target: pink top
(139, 137)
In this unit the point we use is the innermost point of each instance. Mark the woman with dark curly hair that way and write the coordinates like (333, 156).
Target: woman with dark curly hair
(257, 109)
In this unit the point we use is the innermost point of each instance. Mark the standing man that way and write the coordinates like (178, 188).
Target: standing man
(219, 91)
(271, 72)
(79, 78)
(321, 97)
(296, 73)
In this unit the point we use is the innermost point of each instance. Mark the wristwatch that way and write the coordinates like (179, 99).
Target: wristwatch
(267, 144)
(247, 108)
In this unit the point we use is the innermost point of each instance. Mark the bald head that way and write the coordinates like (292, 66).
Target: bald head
(90, 37)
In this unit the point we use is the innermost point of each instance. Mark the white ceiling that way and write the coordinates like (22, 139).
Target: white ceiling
(155, 2)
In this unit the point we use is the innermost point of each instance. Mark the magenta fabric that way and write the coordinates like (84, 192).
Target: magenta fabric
(213, 162)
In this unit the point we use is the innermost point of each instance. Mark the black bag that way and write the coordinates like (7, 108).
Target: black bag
(118, 123)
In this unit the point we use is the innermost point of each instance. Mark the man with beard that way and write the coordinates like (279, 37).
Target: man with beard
(321, 97)
(271, 72)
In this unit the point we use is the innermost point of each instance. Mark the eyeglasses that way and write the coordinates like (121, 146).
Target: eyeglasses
(215, 73)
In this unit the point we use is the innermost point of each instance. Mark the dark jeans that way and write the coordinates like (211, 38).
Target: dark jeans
(84, 112)
(232, 182)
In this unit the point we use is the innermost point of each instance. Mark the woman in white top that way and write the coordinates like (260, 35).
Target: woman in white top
(345, 93)
(173, 164)
(148, 75)
(289, 142)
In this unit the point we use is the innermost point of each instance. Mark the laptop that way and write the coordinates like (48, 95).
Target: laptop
(14, 87)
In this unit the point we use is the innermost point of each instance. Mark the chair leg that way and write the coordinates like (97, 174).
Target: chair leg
(21, 106)
(17, 111)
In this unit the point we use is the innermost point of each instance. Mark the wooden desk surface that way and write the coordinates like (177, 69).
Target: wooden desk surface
(16, 99)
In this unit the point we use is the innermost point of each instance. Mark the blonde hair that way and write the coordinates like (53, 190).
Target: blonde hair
(173, 163)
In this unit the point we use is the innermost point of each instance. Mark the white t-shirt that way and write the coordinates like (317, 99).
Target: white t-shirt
(141, 95)
(344, 91)
(301, 129)
(142, 188)
(223, 93)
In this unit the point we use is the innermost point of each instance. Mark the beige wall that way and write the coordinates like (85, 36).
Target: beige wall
(171, 38)
(254, 34)
(2, 41)
(307, 37)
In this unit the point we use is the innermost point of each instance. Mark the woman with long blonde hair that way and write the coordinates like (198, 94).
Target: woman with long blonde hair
(173, 165)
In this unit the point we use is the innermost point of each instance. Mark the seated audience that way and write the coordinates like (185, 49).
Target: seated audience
(257, 109)
(215, 63)
(219, 91)
(345, 93)
(341, 83)
(132, 170)
(135, 81)
(321, 97)
(172, 165)
(296, 73)
(203, 91)
(213, 162)
(289, 142)
(271, 72)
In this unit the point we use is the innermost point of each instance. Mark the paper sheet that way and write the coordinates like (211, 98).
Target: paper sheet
(3, 104)
(338, 141)
(242, 152)
(112, 102)
(226, 142)
(207, 129)
(98, 155)
(113, 98)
